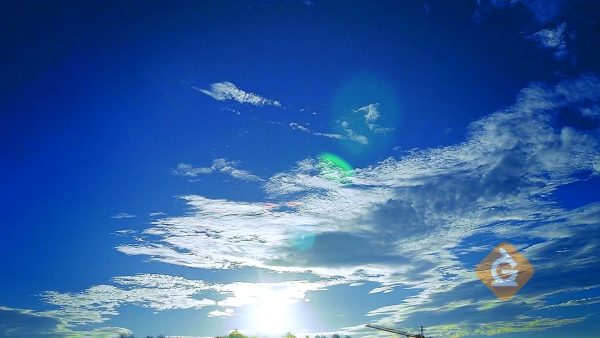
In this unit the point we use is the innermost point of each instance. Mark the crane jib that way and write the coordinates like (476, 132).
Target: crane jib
(392, 330)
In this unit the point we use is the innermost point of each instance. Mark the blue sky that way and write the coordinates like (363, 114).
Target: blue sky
(163, 166)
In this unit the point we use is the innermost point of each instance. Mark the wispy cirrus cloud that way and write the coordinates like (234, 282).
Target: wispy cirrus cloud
(98, 303)
(226, 90)
(552, 39)
(348, 134)
(410, 220)
(164, 292)
(353, 135)
(548, 30)
(122, 215)
(156, 213)
(219, 165)
(360, 129)
(523, 324)
(28, 323)
(297, 126)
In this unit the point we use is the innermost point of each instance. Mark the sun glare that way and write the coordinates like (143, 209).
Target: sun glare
(271, 314)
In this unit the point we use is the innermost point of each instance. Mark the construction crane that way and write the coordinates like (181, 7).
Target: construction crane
(406, 334)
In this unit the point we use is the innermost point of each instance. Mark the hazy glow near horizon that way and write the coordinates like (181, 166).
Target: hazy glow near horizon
(271, 314)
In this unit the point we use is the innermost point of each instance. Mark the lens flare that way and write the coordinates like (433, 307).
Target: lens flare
(302, 241)
(335, 168)
(366, 112)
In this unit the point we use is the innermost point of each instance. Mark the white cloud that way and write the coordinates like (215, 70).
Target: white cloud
(122, 215)
(226, 90)
(372, 114)
(408, 220)
(219, 165)
(29, 323)
(575, 302)
(184, 169)
(522, 324)
(596, 166)
(355, 131)
(164, 292)
(552, 38)
(352, 135)
(231, 234)
(513, 157)
(126, 232)
(98, 303)
(297, 126)
(289, 292)
(225, 313)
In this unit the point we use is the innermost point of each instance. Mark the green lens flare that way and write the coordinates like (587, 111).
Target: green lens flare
(335, 168)
(302, 241)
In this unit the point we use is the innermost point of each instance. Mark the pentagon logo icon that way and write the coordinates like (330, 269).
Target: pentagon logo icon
(505, 271)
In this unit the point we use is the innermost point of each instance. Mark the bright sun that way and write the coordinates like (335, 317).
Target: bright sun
(271, 314)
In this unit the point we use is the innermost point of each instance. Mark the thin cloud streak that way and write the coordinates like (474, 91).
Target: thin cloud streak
(221, 165)
(297, 126)
(226, 90)
(122, 215)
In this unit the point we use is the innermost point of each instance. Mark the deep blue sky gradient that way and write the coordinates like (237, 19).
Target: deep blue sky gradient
(96, 109)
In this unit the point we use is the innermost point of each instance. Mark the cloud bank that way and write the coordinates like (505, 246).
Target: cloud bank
(410, 221)
(413, 224)
(164, 292)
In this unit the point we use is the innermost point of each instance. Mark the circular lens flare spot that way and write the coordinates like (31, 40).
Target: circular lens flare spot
(302, 241)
